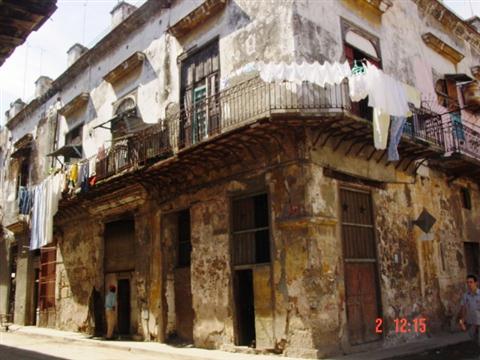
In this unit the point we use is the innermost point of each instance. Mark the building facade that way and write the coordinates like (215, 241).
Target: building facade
(233, 212)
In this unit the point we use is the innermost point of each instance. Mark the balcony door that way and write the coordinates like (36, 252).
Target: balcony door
(200, 71)
(199, 124)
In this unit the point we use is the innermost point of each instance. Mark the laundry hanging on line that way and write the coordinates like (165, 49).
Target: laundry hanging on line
(46, 197)
(25, 200)
(315, 73)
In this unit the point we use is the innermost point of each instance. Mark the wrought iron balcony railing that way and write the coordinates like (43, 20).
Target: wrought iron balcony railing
(248, 102)
(462, 138)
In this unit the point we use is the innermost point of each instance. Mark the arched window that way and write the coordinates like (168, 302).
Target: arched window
(127, 104)
(126, 118)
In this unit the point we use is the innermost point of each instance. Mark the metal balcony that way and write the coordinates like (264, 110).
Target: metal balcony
(462, 150)
(218, 126)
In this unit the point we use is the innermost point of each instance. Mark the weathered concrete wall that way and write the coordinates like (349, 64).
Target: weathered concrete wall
(78, 271)
(5, 243)
(23, 314)
(413, 280)
(307, 315)
(317, 29)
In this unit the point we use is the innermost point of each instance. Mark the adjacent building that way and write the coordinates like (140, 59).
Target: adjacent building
(233, 212)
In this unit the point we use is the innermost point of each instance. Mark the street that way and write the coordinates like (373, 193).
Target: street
(21, 347)
(462, 351)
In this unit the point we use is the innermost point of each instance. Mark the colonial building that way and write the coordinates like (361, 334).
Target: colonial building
(231, 210)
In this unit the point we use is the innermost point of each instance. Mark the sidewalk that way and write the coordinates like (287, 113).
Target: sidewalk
(186, 353)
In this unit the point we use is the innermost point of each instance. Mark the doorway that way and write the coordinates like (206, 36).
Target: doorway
(13, 275)
(119, 268)
(360, 262)
(36, 290)
(472, 252)
(245, 307)
(123, 304)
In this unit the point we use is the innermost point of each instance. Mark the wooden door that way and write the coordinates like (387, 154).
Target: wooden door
(359, 250)
(472, 257)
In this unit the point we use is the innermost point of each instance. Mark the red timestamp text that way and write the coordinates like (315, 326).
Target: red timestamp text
(404, 326)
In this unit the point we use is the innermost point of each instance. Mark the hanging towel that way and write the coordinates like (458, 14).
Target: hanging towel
(84, 175)
(73, 173)
(381, 123)
(396, 130)
(385, 93)
(24, 200)
(457, 126)
(357, 86)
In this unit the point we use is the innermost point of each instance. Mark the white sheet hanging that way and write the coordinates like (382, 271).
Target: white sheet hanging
(47, 194)
(384, 92)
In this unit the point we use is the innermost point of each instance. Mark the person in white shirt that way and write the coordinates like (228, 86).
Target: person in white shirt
(469, 316)
(110, 307)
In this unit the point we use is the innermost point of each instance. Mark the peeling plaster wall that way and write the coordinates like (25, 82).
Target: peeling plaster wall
(322, 40)
(79, 269)
(413, 280)
(308, 316)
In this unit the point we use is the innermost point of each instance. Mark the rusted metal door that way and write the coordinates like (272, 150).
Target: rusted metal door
(361, 282)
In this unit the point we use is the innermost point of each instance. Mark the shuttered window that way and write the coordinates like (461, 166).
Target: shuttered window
(48, 258)
(251, 233)
(200, 80)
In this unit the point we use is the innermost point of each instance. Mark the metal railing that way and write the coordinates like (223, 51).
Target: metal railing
(249, 101)
(425, 127)
(462, 138)
(216, 114)
(133, 150)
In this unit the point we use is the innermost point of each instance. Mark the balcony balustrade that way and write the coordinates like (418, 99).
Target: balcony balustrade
(250, 101)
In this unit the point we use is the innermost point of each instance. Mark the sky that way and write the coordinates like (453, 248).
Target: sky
(45, 51)
(85, 21)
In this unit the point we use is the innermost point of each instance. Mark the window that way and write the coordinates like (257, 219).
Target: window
(251, 233)
(200, 81)
(126, 119)
(74, 136)
(471, 257)
(23, 175)
(184, 242)
(24, 171)
(360, 45)
(466, 198)
(48, 257)
(446, 91)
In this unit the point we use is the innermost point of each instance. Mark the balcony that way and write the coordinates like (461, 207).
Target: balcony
(254, 113)
(462, 150)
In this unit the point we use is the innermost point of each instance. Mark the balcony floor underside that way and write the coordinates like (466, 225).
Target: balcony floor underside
(459, 165)
(268, 136)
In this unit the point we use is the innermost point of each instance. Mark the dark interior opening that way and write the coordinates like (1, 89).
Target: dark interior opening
(123, 303)
(245, 308)
(184, 243)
